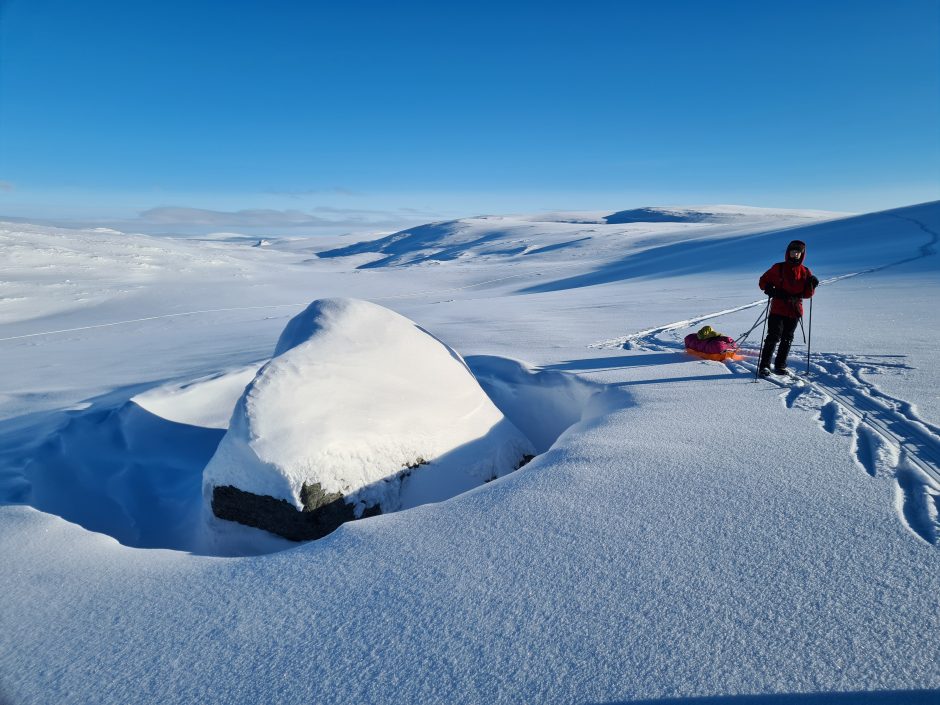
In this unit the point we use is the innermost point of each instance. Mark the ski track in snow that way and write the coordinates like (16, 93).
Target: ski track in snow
(927, 249)
(887, 436)
(646, 339)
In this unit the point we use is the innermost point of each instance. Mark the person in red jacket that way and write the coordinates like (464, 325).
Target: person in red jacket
(787, 283)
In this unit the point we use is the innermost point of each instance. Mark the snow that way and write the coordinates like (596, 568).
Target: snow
(355, 396)
(685, 531)
(206, 402)
(524, 236)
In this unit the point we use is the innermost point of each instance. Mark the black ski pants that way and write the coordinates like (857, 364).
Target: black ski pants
(780, 329)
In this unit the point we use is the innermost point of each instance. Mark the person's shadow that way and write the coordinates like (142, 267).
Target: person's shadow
(882, 697)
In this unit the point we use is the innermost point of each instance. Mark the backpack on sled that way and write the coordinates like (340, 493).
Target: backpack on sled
(709, 344)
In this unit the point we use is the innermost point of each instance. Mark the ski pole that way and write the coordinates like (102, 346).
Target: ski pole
(809, 340)
(763, 328)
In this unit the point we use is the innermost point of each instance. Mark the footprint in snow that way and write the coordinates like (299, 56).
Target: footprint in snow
(918, 500)
(873, 452)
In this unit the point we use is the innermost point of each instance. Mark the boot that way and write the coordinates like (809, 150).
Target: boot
(765, 355)
(780, 361)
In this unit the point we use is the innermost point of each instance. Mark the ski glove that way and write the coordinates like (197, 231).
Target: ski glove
(771, 290)
(813, 281)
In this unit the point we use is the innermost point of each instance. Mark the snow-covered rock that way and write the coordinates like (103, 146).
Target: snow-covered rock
(361, 411)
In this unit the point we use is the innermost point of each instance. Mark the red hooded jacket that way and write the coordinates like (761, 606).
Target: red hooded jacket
(792, 282)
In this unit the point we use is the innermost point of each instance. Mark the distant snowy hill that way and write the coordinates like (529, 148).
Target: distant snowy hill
(552, 237)
(685, 531)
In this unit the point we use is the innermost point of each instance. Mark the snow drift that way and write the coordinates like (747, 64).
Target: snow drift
(360, 412)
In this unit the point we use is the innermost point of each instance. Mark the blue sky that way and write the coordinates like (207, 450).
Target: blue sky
(324, 116)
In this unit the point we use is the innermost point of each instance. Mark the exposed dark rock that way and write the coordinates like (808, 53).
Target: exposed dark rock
(313, 497)
(323, 512)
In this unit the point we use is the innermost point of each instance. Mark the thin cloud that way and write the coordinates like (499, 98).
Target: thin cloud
(424, 213)
(6, 186)
(363, 212)
(189, 220)
(254, 217)
(184, 217)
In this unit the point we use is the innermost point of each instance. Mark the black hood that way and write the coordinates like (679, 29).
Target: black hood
(796, 245)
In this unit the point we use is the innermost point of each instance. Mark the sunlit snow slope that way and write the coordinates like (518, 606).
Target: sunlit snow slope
(685, 531)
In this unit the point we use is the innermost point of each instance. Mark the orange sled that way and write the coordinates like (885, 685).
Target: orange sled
(721, 357)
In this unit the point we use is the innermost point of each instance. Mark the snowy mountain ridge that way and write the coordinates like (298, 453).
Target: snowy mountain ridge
(551, 236)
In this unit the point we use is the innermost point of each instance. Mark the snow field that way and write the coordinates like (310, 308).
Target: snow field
(693, 534)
